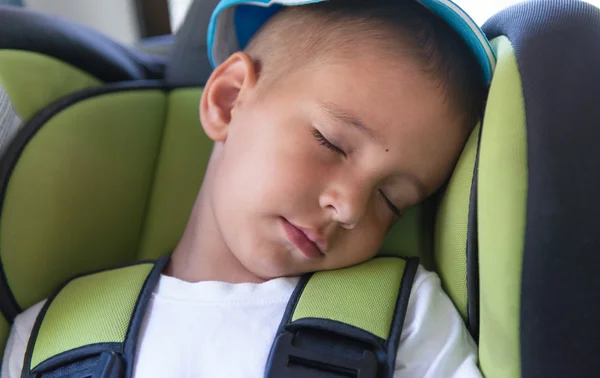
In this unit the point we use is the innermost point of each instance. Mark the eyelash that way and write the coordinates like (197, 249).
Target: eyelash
(324, 142)
(392, 207)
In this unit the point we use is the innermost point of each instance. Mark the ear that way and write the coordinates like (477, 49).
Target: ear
(223, 92)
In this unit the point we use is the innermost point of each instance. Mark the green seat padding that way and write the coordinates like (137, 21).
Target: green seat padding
(77, 198)
(4, 331)
(103, 312)
(363, 296)
(90, 310)
(184, 155)
(452, 225)
(412, 235)
(502, 196)
(20, 71)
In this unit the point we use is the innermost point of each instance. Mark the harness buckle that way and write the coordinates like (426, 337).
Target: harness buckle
(292, 357)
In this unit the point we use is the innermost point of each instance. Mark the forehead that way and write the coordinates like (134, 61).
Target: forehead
(385, 94)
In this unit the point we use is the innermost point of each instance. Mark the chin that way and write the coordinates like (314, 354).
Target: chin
(271, 265)
(266, 272)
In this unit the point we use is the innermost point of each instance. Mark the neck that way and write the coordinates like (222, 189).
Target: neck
(202, 254)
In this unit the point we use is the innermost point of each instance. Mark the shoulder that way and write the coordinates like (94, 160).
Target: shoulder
(24, 322)
(434, 341)
(424, 277)
(430, 313)
(16, 346)
(426, 291)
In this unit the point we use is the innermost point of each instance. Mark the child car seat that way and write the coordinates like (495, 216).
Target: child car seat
(103, 170)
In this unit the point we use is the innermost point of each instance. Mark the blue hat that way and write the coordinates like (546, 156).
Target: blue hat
(234, 22)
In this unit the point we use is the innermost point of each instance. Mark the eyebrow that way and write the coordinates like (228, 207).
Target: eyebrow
(350, 119)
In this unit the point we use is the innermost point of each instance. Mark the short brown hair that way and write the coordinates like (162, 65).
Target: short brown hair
(297, 33)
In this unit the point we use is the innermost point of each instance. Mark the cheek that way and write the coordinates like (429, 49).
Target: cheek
(372, 232)
(276, 172)
(362, 243)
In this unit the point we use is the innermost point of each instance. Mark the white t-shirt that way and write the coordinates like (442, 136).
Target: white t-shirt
(216, 329)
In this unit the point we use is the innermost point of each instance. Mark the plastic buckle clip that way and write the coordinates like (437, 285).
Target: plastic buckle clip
(290, 361)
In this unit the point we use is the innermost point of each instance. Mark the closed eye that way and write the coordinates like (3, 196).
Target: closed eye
(324, 142)
(392, 207)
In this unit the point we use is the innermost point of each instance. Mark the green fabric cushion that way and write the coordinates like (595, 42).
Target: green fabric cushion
(502, 200)
(97, 308)
(184, 156)
(412, 235)
(363, 296)
(33, 80)
(4, 331)
(452, 225)
(77, 198)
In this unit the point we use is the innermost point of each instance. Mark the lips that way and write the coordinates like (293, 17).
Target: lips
(299, 238)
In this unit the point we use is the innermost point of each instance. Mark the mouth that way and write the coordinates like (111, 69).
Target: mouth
(300, 240)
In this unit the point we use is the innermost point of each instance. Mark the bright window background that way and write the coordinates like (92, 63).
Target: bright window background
(178, 9)
(479, 10)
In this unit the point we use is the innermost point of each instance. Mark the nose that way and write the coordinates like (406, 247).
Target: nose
(346, 201)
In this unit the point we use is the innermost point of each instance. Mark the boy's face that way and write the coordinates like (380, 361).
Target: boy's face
(308, 174)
